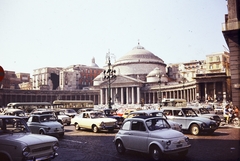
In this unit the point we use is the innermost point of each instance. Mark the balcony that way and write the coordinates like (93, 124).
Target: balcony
(231, 26)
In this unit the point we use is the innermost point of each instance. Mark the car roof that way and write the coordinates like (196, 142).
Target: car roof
(144, 118)
(173, 108)
(8, 116)
(12, 110)
(145, 111)
(42, 115)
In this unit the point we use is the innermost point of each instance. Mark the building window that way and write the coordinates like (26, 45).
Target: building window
(210, 59)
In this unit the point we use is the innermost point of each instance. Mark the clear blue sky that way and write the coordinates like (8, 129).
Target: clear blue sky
(59, 33)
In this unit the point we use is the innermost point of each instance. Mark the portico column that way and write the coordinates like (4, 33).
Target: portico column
(106, 98)
(126, 95)
(122, 95)
(101, 96)
(138, 95)
(154, 95)
(132, 95)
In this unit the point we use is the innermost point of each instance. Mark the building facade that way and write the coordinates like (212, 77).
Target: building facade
(231, 33)
(141, 78)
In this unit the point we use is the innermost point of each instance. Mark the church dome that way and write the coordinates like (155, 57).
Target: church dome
(138, 61)
(93, 63)
(139, 54)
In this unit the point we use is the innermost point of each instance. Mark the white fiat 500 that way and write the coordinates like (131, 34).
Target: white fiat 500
(152, 135)
(17, 143)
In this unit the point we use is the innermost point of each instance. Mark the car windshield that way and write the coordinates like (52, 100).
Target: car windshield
(97, 115)
(189, 113)
(204, 111)
(70, 111)
(47, 118)
(110, 112)
(156, 124)
(20, 113)
(13, 125)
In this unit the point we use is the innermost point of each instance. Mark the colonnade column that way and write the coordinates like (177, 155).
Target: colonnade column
(214, 91)
(205, 90)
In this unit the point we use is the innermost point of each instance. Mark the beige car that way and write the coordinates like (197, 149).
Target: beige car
(95, 121)
(18, 143)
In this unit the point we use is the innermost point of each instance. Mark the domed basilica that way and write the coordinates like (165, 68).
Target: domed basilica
(140, 77)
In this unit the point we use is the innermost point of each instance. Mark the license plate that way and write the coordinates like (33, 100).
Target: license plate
(179, 145)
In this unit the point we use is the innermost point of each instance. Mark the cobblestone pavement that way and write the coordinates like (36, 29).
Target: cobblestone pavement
(85, 145)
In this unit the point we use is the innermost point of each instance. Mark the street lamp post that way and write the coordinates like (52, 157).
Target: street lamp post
(109, 74)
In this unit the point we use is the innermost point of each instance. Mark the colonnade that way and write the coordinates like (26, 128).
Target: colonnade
(133, 95)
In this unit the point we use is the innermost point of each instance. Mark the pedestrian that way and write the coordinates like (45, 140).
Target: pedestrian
(226, 113)
(236, 112)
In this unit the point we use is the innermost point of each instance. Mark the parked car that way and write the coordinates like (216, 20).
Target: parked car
(128, 111)
(203, 112)
(61, 117)
(174, 125)
(69, 112)
(111, 113)
(152, 135)
(84, 110)
(17, 143)
(218, 109)
(16, 112)
(45, 124)
(94, 120)
(190, 120)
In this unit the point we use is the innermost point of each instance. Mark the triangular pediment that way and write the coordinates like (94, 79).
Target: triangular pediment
(121, 79)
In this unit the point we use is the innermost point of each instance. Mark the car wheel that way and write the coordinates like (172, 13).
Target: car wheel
(236, 122)
(77, 127)
(120, 147)
(95, 129)
(194, 129)
(156, 153)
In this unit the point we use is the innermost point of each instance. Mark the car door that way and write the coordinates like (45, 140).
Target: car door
(85, 120)
(34, 124)
(179, 117)
(138, 136)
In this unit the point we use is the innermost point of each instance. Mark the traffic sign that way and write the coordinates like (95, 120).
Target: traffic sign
(1, 73)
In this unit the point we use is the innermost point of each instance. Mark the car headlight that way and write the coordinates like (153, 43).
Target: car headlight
(26, 151)
(168, 142)
(187, 139)
(55, 146)
(204, 125)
